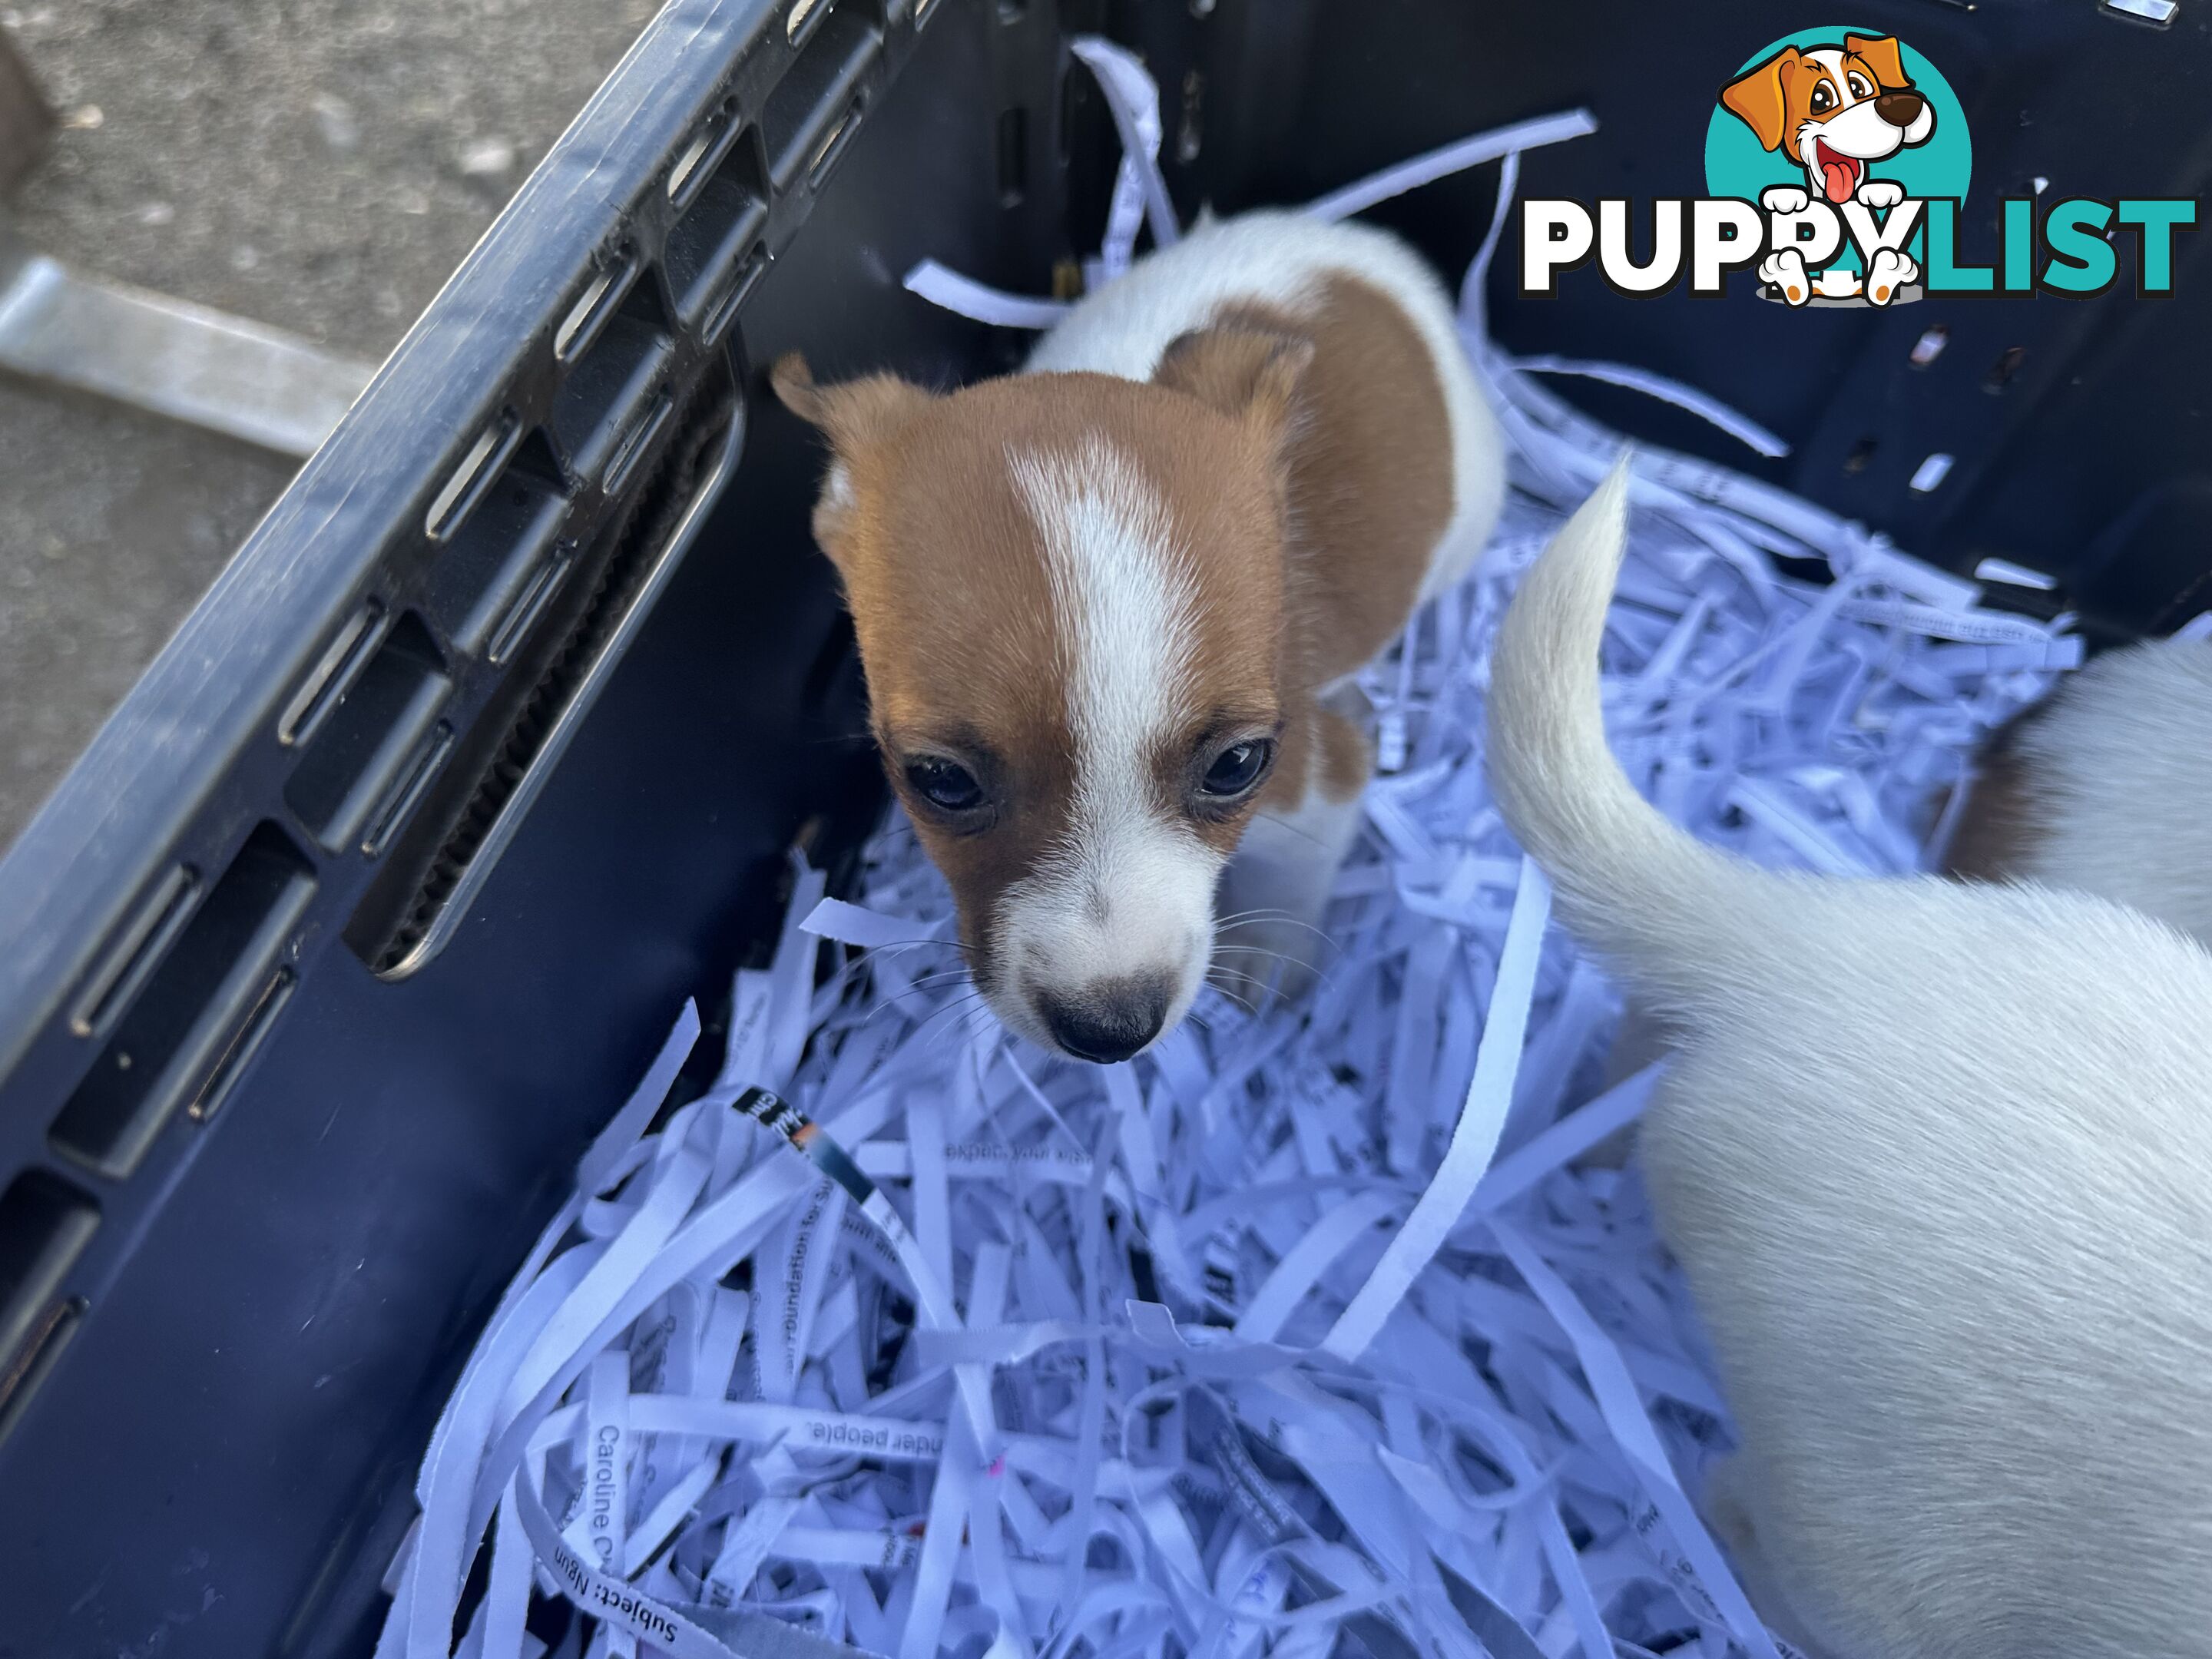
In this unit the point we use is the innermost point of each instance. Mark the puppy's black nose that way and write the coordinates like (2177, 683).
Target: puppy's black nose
(1899, 109)
(1108, 1022)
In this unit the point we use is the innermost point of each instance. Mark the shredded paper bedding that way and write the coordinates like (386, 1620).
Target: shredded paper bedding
(1308, 1331)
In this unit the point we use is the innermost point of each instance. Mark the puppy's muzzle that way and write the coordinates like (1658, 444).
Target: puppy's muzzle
(1110, 1021)
(1899, 109)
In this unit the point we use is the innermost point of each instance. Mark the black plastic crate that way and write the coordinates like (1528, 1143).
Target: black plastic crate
(319, 971)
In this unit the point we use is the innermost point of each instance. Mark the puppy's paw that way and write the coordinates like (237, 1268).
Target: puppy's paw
(1786, 270)
(1784, 198)
(1881, 193)
(1887, 272)
(1834, 284)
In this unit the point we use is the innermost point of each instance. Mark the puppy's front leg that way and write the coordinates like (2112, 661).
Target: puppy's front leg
(1276, 888)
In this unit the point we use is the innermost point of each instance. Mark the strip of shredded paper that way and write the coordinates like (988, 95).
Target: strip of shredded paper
(1301, 1330)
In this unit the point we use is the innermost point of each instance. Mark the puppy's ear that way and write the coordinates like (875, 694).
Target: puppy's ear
(1759, 97)
(857, 417)
(1881, 55)
(1249, 374)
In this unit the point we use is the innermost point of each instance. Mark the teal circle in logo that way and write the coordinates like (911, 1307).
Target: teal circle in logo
(1738, 164)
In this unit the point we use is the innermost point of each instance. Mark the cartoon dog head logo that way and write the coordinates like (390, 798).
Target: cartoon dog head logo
(1833, 110)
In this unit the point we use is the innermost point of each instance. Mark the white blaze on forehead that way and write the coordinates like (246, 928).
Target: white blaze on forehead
(1130, 889)
(1125, 600)
(1833, 61)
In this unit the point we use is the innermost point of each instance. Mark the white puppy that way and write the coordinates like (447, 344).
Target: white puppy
(1937, 1159)
(2106, 787)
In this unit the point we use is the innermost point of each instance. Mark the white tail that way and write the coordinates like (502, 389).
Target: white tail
(1629, 884)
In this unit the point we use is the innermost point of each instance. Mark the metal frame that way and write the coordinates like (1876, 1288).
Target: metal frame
(169, 357)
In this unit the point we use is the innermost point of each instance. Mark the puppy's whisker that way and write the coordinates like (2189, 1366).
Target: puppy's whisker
(1280, 956)
(898, 997)
(937, 977)
(1248, 979)
(893, 999)
(1255, 922)
(1257, 911)
(911, 944)
(958, 1006)
(1242, 1002)
(1304, 834)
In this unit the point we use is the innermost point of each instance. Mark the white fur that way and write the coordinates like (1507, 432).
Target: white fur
(1937, 1159)
(2119, 764)
(1279, 259)
(1131, 890)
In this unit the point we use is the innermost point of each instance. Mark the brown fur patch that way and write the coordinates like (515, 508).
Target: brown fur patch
(1346, 759)
(1997, 833)
(1369, 475)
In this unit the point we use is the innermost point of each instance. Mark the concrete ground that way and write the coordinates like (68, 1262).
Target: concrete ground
(320, 165)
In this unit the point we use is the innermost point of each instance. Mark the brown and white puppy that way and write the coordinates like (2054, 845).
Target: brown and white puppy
(1108, 606)
(2105, 787)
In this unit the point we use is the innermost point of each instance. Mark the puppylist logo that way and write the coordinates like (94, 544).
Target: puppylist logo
(1837, 164)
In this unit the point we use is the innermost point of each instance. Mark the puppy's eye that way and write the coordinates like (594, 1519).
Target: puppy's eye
(1823, 99)
(1237, 768)
(944, 784)
(1861, 87)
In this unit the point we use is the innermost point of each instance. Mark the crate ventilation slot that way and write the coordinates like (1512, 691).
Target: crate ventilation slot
(703, 155)
(326, 686)
(152, 928)
(799, 22)
(451, 506)
(20, 1377)
(814, 109)
(496, 770)
(373, 739)
(715, 249)
(188, 1033)
(44, 1225)
(599, 301)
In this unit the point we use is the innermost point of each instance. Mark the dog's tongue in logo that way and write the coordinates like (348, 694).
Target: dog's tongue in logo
(1838, 172)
